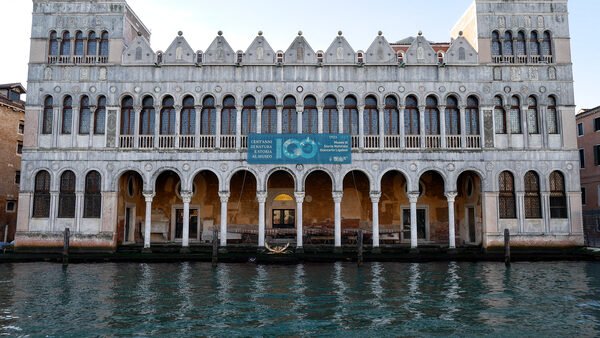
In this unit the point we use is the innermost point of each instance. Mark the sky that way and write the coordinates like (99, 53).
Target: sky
(319, 21)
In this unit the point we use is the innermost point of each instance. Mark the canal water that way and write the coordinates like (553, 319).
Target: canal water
(340, 299)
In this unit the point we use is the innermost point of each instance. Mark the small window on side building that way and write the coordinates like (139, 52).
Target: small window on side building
(21, 128)
(19, 147)
(580, 129)
(11, 206)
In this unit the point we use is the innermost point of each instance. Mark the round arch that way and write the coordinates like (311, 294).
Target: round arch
(264, 187)
(312, 170)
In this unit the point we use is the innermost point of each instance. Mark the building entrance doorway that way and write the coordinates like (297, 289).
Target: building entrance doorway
(283, 218)
(471, 223)
(129, 225)
(194, 233)
(422, 231)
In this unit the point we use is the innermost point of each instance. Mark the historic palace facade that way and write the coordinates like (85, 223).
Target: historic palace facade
(450, 143)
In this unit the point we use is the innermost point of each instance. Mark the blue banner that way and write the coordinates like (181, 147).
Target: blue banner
(299, 149)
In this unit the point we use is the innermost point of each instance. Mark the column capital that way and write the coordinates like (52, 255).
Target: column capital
(451, 195)
(186, 196)
(422, 107)
(148, 195)
(360, 107)
(299, 109)
(340, 107)
(279, 107)
(198, 106)
(261, 196)
(239, 107)
(259, 107)
(337, 196)
(299, 195)
(137, 107)
(413, 197)
(375, 196)
(224, 196)
(381, 107)
(218, 107)
(177, 107)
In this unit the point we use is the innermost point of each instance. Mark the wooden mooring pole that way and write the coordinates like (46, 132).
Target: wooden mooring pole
(65, 253)
(506, 247)
(359, 243)
(215, 248)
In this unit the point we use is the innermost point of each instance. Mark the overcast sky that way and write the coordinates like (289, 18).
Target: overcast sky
(319, 20)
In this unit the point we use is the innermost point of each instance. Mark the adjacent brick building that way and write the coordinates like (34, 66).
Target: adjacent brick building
(588, 141)
(12, 117)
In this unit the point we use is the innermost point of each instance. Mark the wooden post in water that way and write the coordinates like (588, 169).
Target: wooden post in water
(359, 243)
(65, 254)
(215, 248)
(506, 247)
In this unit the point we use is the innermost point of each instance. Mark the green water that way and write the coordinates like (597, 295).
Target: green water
(341, 299)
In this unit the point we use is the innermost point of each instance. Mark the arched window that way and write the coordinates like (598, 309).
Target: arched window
(66, 197)
(552, 116)
(534, 44)
(100, 116)
(249, 115)
(411, 116)
(310, 121)
(533, 201)
(104, 44)
(289, 116)
(84, 115)
(532, 115)
(188, 117)
(41, 195)
(53, 43)
(499, 115)
(391, 117)
(432, 116)
(127, 116)
(506, 187)
(371, 116)
(208, 116)
(167, 116)
(351, 116)
(508, 43)
(78, 43)
(147, 116)
(547, 44)
(65, 44)
(496, 45)
(472, 116)
(67, 115)
(330, 115)
(92, 44)
(515, 115)
(558, 198)
(269, 116)
(47, 115)
(520, 47)
(452, 116)
(228, 116)
(92, 199)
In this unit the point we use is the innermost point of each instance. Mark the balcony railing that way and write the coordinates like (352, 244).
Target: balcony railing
(77, 59)
(522, 59)
(369, 142)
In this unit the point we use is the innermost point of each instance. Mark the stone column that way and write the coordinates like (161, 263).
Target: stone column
(462, 112)
(320, 119)
(75, 125)
(299, 112)
(337, 199)
(340, 109)
(261, 196)
(156, 125)
(525, 123)
(224, 196)
(375, 196)
(238, 126)
(148, 196)
(178, 109)
(198, 112)
(361, 127)
(443, 141)
(450, 196)
(259, 110)
(53, 209)
(56, 118)
(78, 210)
(520, 195)
(279, 118)
(422, 131)
(381, 123)
(299, 195)
(92, 125)
(413, 197)
(218, 112)
(186, 197)
(546, 210)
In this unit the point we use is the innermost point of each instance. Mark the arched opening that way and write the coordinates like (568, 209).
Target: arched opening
(393, 200)
(242, 207)
(356, 206)
(432, 210)
(205, 207)
(468, 209)
(318, 206)
(131, 208)
(281, 205)
(166, 201)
